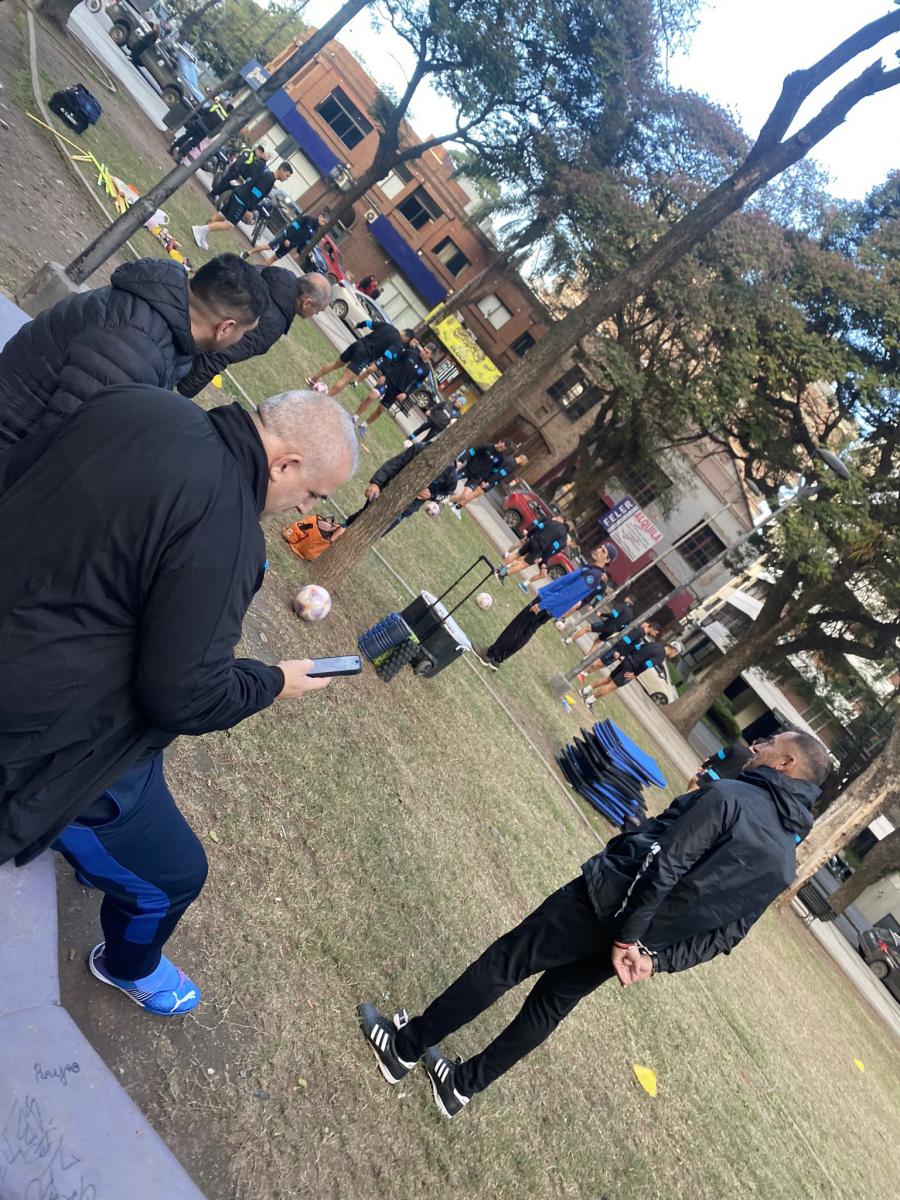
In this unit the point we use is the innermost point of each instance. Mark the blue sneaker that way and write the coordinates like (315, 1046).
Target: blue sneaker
(361, 430)
(523, 586)
(167, 992)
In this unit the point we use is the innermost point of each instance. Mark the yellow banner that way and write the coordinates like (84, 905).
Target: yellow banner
(470, 356)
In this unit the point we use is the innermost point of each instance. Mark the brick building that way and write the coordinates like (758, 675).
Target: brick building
(413, 231)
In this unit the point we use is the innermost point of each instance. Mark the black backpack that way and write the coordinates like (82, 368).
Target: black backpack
(76, 106)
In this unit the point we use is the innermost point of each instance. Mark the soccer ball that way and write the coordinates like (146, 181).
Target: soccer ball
(484, 599)
(312, 603)
(432, 508)
(319, 386)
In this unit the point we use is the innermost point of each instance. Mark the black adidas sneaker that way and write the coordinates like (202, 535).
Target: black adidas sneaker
(380, 1032)
(440, 1071)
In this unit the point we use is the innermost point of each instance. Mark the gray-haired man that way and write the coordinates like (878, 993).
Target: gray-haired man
(117, 634)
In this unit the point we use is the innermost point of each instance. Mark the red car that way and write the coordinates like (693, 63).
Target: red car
(333, 261)
(520, 511)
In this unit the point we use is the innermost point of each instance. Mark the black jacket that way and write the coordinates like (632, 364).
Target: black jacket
(382, 339)
(441, 486)
(690, 883)
(546, 538)
(255, 189)
(404, 370)
(134, 530)
(283, 288)
(614, 621)
(135, 330)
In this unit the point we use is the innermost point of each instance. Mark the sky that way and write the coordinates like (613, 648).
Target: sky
(738, 56)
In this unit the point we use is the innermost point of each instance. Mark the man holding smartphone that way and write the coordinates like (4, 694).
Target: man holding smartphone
(117, 634)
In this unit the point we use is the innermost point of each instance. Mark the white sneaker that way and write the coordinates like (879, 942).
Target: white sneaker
(457, 511)
(199, 232)
(407, 442)
(567, 641)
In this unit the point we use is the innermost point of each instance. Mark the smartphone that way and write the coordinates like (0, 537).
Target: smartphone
(348, 664)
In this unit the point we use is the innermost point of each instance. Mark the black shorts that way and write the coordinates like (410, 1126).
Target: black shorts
(356, 358)
(233, 209)
(278, 247)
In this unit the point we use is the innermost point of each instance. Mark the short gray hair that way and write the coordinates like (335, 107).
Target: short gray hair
(315, 287)
(312, 422)
(815, 761)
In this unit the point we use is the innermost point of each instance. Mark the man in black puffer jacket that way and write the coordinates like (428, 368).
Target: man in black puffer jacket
(134, 530)
(146, 327)
(679, 890)
(287, 296)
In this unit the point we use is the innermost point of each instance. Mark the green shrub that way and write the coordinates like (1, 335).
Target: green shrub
(722, 716)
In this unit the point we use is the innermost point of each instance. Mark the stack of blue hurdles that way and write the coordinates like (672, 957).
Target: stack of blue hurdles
(610, 771)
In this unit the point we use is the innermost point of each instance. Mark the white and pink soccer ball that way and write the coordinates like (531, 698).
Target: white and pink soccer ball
(484, 599)
(319, 386)
(312, 603)
(432, 508)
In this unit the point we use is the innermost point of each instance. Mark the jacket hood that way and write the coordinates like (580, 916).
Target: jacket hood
(793, 798)
(163, 285)
(283, 290)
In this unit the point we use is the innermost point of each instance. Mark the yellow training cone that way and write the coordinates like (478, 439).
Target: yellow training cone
(216, 381)
(646, 1077)
(859, 1064)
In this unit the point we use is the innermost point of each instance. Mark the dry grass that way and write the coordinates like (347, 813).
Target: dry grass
(366, 844)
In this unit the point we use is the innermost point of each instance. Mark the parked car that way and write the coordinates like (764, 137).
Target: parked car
(326, 259)
(880, 947)
(657, 683)
(353, 307)
(129, 24)
(521, 509)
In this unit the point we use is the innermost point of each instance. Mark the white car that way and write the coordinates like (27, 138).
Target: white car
(658, 685)
(352, 307)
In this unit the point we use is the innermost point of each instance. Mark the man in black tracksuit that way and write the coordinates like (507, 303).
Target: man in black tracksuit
(439, 489)
(679, 890)
(146, 326)
(134, 529)
(606, 625)
(242, 203)
(404, 371)
(383, 341)
(202, 125)
(245, 167)
(288, 296)
(544, 539)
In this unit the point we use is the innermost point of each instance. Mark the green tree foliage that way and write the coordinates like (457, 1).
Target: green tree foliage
(228, 33)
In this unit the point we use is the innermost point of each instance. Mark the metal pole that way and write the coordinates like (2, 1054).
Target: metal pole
(803, 494)
(116, 234)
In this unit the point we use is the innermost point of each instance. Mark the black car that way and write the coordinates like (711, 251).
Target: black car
(880, 948)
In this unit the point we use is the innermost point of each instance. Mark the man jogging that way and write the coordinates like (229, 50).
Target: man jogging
(485, 467)
(640, 656)
(242, 204)
(147, 326)
(554, 600)
(540, 543)
(679, 890)
(289, 296)
(295, 235)
(606, 625)
(134, 529)
(383, 341)
(202, 125)
(403, 371)
(246, 166)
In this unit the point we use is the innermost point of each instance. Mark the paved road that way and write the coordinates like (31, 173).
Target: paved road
(845, 957)
(91, 31)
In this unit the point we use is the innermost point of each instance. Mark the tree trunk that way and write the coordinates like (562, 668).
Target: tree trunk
(696, 701)
(881, 860)
(763, 164)
(855, 807)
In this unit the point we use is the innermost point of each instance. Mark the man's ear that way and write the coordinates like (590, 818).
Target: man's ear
(224, 328)
(283, 463)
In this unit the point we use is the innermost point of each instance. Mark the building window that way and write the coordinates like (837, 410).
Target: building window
(522, 344)
(572, 394)
(395, 181)
(700, 547)
(494, 310)
(451, 256)
(644, 486)
(419, 208)
(339, 111)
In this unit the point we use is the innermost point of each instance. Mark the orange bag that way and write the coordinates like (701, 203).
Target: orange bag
(311, 536)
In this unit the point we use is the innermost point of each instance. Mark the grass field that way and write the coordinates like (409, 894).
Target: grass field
(365, 844)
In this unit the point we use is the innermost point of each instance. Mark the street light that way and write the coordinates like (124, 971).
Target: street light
(561, 683)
